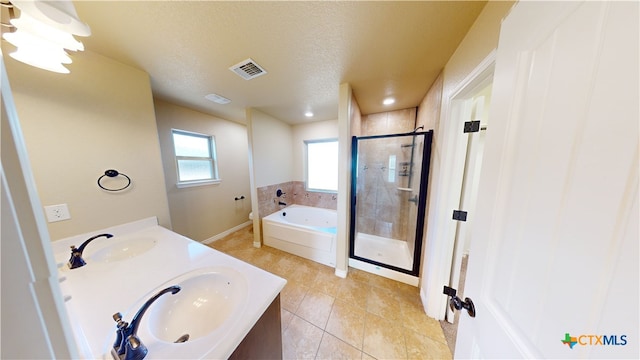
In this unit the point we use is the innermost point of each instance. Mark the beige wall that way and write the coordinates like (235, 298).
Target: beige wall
(429, 117)
(309, 131)
(202, 212)
(356, 118)
(429, 109)
(272, 149)
(78, 125)
(35, 327)
(295, 187)
(270, 158)
(278, 154)
(481, 39)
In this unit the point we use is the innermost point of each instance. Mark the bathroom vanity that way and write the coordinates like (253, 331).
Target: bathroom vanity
(224, 307)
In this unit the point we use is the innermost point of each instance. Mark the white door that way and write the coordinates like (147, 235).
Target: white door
(554, 265)
(477, 105)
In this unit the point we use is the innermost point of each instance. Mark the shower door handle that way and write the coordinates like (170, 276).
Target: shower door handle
(414, 199)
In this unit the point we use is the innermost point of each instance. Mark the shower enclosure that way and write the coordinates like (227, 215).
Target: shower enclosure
(388, 199)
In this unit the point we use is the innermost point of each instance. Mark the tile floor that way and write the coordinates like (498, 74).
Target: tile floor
(364, 316)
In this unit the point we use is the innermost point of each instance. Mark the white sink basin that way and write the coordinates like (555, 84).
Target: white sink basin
(209, 298)
(123, 249)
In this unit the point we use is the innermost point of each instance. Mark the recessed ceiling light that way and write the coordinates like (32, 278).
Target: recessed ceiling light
(217, 99)
(308, 114)
(388, 101)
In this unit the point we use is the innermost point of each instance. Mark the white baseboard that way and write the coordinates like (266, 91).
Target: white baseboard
(227, 232)
(384, 272)
(341, 273)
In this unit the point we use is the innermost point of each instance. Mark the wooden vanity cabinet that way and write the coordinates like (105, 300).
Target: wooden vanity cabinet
(264, 340)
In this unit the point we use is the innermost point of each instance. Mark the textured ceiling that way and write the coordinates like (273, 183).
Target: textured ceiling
(308, 49)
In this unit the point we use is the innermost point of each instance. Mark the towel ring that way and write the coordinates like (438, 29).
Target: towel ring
(113, 173)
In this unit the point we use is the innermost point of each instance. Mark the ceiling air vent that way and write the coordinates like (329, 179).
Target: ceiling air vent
(248, 69)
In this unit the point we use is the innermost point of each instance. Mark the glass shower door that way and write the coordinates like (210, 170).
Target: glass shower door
(389, 182)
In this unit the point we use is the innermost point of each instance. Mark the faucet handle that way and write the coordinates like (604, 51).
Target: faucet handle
(117, 317)
(119, 344)
(76, 260)
(135, 349)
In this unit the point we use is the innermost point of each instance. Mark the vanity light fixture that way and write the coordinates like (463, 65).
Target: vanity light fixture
(43, 31)
(388, 101)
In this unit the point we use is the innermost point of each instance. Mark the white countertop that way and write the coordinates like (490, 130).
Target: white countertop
(99, 289)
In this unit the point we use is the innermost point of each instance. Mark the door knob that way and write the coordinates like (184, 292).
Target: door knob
(455, 303)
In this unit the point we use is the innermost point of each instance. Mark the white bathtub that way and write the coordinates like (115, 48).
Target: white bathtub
(304, 231)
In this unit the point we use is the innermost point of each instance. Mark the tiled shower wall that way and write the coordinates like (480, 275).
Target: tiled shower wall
(383, 198)
(383, 208)
(294, 193)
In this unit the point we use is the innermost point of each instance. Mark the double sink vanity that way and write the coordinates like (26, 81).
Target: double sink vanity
(187, 301)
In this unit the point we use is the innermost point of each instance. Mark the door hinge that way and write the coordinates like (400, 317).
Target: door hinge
(459, 215)
(471, 126)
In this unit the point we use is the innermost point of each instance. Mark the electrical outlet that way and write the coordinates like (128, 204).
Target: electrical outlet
(57, 212)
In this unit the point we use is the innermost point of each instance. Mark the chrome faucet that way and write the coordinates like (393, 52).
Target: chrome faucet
(76, 259)
(128, 345)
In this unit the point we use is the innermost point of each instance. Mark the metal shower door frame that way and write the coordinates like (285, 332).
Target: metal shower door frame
(422, 199)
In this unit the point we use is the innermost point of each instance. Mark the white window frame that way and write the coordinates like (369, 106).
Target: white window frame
(215, 178)
(306, 169)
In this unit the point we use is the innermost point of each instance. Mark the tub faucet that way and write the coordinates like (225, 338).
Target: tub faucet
(76, 259)
(281, 203)
(128, 345)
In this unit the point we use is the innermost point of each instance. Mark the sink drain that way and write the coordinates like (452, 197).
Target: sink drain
(182, 339)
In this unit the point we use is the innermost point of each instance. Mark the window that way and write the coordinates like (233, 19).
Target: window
(195, 158)
(322, 165)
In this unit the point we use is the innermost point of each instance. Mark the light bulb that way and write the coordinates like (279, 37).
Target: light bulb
(37, 52)
(60, 14)
(37, 46)
(36, 28)
(34, 59)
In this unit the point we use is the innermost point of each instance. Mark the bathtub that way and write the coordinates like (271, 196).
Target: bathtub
(305, 231)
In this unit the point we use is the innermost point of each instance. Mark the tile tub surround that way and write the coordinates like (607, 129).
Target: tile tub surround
(97, 290)
(295, 193)
(323, 316)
